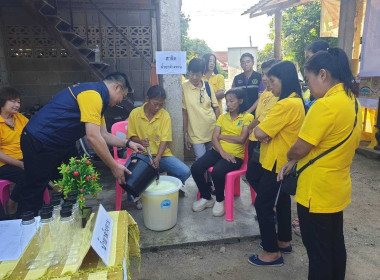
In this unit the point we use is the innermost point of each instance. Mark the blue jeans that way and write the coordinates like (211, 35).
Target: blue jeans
(169, 164)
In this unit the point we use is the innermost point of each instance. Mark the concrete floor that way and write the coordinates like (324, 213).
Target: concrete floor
(191, 228)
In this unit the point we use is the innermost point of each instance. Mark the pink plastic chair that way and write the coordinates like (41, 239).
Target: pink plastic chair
(5, 192)
(119, 129)
(232, 187)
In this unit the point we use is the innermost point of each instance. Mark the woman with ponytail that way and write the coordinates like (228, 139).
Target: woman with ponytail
(324, 187)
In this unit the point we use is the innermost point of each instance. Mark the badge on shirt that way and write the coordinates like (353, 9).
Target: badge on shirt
(157, 138)
(255, 81)
(240, 123)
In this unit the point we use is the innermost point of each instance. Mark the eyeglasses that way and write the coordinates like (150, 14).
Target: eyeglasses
(201, 96)
(126, 91)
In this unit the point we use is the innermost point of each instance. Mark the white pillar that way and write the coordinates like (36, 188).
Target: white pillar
(169, 39)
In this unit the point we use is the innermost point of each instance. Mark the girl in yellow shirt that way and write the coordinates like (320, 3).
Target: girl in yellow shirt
(212, 76)
(265, 102)
(324, 187)
(228, 139)
(277, 132)
(11, 125)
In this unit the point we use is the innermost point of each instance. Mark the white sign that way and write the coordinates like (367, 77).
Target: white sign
(102, 236)
(171, 62)
(11, 247)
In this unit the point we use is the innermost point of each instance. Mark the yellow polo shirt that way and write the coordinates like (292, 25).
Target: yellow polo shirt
(325, 186)
(233, 128)
(282, 124)
(201, 116)
(265, 103)
(158, 129)
(10, 138)
(90, 111)
(217, 83)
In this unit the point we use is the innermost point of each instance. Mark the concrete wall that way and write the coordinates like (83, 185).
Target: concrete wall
(41, 78)
(3, 65)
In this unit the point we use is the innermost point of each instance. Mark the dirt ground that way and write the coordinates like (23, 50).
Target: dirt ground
(229, 261)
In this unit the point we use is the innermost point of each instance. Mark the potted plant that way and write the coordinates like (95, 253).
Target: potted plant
(79, 176)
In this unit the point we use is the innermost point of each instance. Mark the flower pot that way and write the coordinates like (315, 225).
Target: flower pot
(86, 212)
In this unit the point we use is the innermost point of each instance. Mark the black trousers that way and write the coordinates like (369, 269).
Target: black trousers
(322, 235)
(41, 163)
(16, 175)
(254, 169)
(218, 175)
(265, 200)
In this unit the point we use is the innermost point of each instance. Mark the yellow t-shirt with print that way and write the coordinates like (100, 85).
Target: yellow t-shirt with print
(282, 124)
(90, 111)
(265, 103)
(158, 129)
(217, 83)
(306, 96)
(325, 185)
(10, 137)
(233, 128)
(201, 116)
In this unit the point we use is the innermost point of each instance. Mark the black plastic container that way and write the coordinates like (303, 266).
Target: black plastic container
(143, 174)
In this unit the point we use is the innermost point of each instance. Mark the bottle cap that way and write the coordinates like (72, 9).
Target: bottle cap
(48, 207)
(55, 201)
(72, 200)
(65, 213)
(55, 195)
(27, 216)
(46, 214)
(72, 194)
(67, 205)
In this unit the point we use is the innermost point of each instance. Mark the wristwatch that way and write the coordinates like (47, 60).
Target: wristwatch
(127, 144)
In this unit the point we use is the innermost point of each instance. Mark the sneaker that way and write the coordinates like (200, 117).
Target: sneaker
(202, 204)
(218, 209)
(254, 259)
(138, 204)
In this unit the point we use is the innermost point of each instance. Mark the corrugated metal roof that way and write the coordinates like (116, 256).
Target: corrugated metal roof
(270, 6)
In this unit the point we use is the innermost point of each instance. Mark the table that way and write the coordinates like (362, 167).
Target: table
(125, 254)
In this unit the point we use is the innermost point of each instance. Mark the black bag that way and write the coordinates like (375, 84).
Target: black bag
(289, 182)
(256, 152)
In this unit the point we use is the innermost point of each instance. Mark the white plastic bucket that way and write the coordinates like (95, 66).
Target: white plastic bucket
(160, 203)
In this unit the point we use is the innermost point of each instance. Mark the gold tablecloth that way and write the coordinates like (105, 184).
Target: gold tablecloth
(124, 249)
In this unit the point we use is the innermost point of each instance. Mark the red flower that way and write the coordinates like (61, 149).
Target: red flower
(67, 169)
(81, 198)
(75, 173)
(88, 163)
(93, 178)
(87, 178)
(81, 190)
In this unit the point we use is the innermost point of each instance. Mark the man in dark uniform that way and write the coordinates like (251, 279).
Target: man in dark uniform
(73, 113)
(249, 80)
